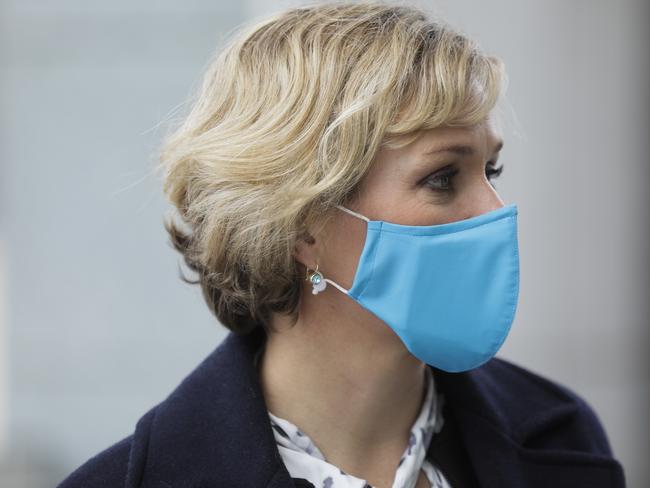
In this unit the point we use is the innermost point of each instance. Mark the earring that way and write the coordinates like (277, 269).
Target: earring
(317, 281)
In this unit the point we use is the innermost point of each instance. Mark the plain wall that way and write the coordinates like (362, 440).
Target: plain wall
(96, 326)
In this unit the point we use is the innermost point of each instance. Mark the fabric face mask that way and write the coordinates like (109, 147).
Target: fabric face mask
(449, 291)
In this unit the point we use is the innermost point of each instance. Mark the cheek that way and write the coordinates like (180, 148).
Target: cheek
(342, 248)
(387, 196)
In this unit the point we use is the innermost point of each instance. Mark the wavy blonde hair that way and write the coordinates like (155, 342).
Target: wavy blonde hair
(285, 124)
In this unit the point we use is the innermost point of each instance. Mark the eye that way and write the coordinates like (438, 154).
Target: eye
(444, 181)
(492, 172)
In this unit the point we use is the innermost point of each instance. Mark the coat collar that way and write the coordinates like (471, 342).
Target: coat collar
(213, 429)
(522, 430)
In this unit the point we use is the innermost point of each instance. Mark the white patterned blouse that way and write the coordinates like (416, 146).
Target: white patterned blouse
(303, 459)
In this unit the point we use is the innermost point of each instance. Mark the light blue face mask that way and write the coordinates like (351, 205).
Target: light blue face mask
(449, 291)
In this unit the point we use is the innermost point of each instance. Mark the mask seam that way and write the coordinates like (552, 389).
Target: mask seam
(516, 265)
(511, 313)
(415, 232)
(372, 262)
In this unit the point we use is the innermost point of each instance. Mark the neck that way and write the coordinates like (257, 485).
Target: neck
(353, 388)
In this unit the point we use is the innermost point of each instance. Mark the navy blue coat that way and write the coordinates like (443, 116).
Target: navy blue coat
(505, 427)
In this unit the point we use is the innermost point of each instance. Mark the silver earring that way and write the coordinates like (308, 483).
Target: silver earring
(317, 280)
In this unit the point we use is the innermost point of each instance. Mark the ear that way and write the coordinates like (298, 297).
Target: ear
(305, 250)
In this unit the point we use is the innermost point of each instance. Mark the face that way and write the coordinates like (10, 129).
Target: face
(444, 176)
(430, 182)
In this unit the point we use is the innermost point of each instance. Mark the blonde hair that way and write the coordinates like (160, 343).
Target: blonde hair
(285, 124)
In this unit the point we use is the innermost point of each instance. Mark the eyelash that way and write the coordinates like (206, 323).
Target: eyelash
(451, 173)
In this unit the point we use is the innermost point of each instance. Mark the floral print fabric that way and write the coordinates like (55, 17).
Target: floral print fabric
(303, 459)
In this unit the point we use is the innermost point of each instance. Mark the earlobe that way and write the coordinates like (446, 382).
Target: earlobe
(306, 254)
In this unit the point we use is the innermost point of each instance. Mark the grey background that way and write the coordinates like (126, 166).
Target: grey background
(96, 326)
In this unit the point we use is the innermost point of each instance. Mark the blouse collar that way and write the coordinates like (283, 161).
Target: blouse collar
(304, 459)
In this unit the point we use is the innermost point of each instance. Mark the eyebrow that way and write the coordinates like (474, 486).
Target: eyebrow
(462, 149)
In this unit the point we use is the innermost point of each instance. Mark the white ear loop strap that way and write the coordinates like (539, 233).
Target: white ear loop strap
(351, 212)
(337, 286)
(356, 215)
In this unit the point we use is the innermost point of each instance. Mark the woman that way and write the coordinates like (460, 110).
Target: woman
(335, 175)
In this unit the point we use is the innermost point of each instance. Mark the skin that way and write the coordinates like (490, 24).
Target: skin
(341, 374)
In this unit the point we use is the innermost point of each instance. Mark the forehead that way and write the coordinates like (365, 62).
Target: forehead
(484, 137)
(481, 141)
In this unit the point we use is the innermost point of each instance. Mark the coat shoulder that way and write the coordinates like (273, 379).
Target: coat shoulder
(119, 465)
(546, 412)
(106, 469)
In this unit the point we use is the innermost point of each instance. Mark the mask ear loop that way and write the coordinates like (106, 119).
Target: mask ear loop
(318, 281)
(352, 212)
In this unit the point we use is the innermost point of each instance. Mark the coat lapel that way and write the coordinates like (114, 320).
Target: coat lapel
(521, 430)
(213, 430)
